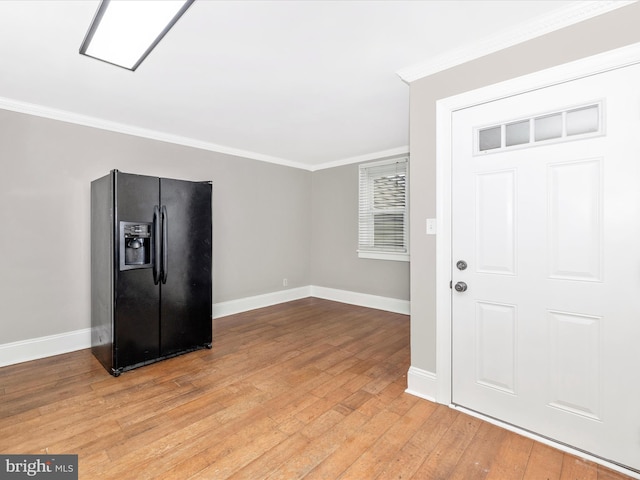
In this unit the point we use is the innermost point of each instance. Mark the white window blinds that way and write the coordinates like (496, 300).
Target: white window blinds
(383, 210)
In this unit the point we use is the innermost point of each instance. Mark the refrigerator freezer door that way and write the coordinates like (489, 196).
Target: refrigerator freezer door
(136, 330)
(186, 304)
(102, 239)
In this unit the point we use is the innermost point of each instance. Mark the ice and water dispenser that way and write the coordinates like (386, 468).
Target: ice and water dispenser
(135, 245)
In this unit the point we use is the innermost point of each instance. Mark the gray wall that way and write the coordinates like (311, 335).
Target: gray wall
(600, 34)
(334, 240)
(261, 225)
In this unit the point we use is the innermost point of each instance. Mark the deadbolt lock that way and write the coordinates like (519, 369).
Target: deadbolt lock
(462, 265)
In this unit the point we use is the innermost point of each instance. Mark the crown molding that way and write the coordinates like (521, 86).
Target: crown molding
(393, 152)
(541, 25)
(94, 122)
(87, 121)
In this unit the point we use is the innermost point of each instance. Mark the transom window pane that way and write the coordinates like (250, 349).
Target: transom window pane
(583, 120)
(548, 127)
(490, 138)
(517, 133)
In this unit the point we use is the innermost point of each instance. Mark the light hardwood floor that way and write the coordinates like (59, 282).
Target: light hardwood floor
(308, 389)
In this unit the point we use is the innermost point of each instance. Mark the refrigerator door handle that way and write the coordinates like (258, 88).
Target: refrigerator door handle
(165, 245)
(156, 245)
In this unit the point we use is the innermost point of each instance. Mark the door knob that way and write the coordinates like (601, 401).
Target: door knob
(461, 287)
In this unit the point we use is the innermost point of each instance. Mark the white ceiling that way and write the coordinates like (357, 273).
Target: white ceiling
(302, 83)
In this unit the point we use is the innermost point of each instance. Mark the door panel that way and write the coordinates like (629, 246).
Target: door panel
(496, 345)
(575, 360)
(575, 201)
(186, 303)
(545, 335)
(496, 222)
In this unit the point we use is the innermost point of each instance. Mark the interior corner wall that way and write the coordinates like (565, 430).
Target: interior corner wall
(261, 224)
(597, 35)
(334, 240)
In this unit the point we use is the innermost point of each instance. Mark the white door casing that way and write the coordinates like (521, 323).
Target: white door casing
(557, 373)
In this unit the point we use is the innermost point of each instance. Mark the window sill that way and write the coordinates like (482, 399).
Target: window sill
(398, 257)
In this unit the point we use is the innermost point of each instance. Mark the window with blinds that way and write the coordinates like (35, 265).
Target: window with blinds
(383, 231)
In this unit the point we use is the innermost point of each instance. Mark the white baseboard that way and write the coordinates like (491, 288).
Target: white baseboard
(240, 305)
(42, 347)
(394, 305)
(421, 383)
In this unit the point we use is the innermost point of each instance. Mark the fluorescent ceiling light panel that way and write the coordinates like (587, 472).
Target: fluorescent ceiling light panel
(124, 32)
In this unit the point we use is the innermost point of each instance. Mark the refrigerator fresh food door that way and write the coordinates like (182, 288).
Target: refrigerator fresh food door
(185, 298)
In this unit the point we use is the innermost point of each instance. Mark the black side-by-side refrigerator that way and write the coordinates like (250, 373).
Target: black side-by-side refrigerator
(151, 283)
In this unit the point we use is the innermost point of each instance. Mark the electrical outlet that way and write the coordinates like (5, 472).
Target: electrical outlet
(285, 282)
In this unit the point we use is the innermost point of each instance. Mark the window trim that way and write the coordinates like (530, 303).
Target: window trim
(371, 252)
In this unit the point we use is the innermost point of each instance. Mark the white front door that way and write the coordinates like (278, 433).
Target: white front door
(546, 216)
